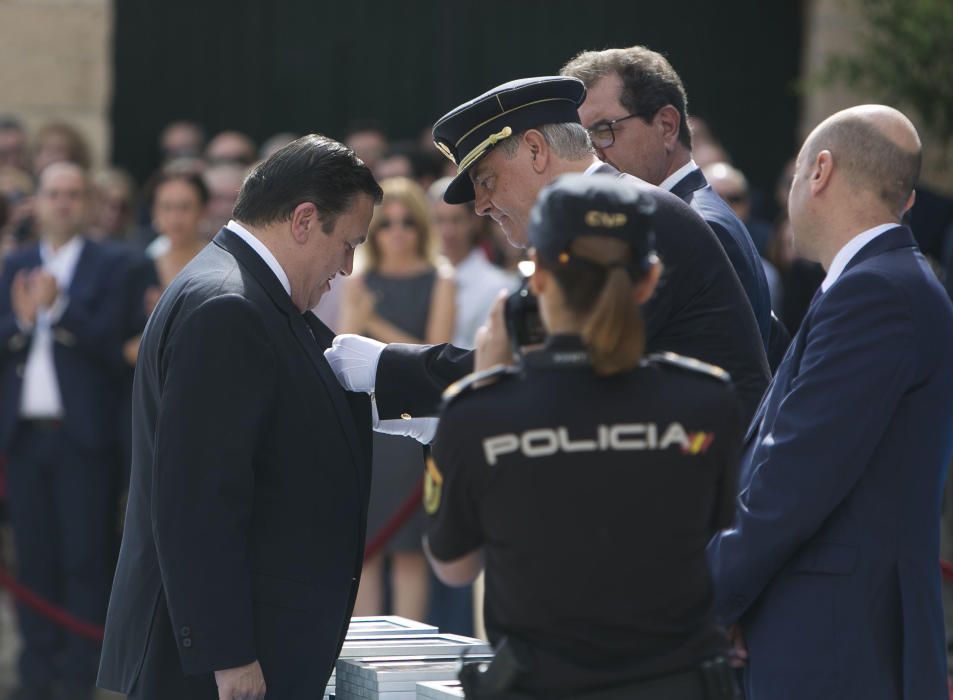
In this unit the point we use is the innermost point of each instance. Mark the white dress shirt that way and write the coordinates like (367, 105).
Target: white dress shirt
(40, 396)
(847, 253)
(478, 282)
(679, 175)
(270, 260)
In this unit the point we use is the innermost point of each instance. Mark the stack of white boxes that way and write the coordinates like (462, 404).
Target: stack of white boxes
(439, 690)
(384, 657)
(394, 678)
(379, 626)
(387, 626)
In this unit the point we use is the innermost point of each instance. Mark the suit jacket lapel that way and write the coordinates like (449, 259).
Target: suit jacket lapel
(83, 272)
(342, 408)
(252, 262)
(899, 237)
(359, 404)
(34, 259)
(694, 181)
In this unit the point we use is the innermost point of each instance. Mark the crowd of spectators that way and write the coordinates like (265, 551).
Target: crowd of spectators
(429, 273)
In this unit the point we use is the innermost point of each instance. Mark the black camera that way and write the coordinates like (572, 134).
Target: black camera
(523, 322)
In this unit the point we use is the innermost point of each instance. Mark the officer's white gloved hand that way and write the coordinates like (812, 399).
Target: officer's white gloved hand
(354, 360)
(420, 429)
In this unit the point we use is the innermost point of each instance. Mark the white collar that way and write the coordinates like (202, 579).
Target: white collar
(270, 260)
(70, 249)
(847, 253)
(62, 261)
(679, 175)
(594, 167)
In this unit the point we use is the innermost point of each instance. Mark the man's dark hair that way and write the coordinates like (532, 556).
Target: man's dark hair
(312, 169)
(871, 160)
(648, 82)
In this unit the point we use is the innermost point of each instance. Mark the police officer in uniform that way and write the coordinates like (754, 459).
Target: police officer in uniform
(589, 479)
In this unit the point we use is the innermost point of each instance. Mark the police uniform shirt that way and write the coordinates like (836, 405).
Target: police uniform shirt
(593, 499)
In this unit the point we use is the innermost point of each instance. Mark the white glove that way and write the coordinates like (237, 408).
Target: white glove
(354, 358)
(420, 429)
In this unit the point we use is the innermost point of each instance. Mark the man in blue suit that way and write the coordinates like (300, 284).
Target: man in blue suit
(636, 112)
(830, 573)
(60, 368)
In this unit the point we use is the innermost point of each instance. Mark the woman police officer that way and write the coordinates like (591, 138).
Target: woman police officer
(590, 478)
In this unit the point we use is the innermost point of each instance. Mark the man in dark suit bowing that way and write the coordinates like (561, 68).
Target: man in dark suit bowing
(250, 467)
(636, 111)
(830, 572)
(508, 144)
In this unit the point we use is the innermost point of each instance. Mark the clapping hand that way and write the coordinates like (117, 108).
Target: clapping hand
(43, 288)
(22, 300)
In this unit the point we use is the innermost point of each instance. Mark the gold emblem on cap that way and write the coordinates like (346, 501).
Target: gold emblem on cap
(483, 147)
(603, 219)
(445, 149)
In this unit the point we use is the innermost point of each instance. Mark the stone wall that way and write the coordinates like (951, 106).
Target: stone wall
(56, 65)
(57, 55)
(832, 27)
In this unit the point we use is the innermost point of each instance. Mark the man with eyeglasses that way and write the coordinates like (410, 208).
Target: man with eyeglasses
(636, 114)
(508, 144)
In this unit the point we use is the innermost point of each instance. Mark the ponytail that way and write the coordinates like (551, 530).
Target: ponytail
(597, 287)
(614, 331)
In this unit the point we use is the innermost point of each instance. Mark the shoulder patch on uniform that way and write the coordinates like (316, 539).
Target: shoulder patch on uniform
(690, 364)
(433, 486)
(478, 380)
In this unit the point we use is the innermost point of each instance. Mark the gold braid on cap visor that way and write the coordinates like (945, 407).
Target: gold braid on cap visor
(483, 147)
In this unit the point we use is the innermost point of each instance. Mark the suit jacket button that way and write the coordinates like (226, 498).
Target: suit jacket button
(185, 631)
(405, 416)
(187, 643)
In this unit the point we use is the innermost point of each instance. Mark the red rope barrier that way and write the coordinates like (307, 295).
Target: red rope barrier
(84, 629)
(73, 624)
(51, 612)
(946, 569)
(399, 519)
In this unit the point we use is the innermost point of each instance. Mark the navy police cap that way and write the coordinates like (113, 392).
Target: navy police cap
(593, 205)
(467, 133)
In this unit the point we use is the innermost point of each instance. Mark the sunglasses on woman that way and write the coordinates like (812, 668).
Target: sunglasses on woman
(406, 222)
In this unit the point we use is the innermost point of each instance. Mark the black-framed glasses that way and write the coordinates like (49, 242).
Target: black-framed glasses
(602, 135)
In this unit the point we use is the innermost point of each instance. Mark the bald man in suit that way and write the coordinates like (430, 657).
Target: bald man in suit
(829, 573)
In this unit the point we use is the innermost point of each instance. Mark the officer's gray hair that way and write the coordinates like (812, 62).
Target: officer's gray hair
(568, 140)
